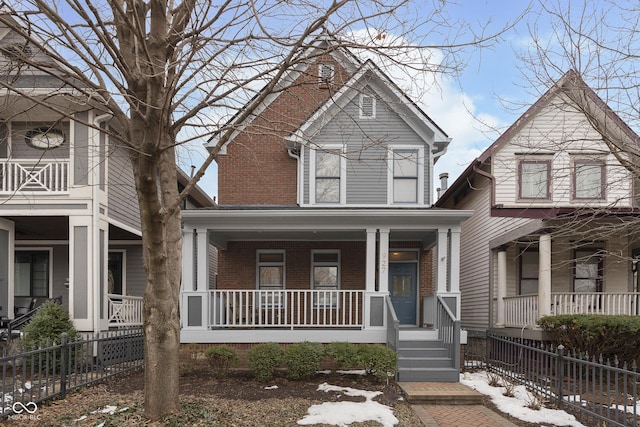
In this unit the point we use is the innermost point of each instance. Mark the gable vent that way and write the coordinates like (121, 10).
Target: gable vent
(325, 73)
(367, 107)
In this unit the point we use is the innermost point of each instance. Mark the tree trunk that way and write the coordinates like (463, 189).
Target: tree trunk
(156, 181)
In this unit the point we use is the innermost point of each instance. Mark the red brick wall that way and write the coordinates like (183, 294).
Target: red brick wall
(257, 169)
(237, 268)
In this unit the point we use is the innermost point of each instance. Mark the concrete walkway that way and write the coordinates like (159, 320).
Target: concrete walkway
(450, 405)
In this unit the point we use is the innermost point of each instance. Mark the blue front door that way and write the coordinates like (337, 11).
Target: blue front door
(403, 286)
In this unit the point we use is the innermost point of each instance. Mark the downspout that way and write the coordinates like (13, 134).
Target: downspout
(294, 153)
(94, 221)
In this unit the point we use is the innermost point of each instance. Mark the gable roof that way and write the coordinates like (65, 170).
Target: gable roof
(570, 84)
(320, 45)
(370, 75)
(324, 43)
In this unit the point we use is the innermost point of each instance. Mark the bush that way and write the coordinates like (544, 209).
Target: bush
(344, 354)
(378, 360)
(264, 359)
(45, 328)
(221, 358)
(606, 336)
(303, 359)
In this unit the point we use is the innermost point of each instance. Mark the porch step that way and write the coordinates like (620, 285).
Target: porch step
(425, 361)
(442, 393)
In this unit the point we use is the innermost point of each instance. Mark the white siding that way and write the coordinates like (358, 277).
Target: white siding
(563, 133)
(477, 231)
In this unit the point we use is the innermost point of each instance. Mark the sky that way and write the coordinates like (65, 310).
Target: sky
(487, 96)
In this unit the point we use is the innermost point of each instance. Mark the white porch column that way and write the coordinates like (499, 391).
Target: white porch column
(203, 259)
(370, 285)
(502, 286)
(441, 261)
(454, 262)
(544, 276)
(383, 266)
(187, 260)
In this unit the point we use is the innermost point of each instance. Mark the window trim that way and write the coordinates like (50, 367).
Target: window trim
(124, 268)
(603, 178)
(316, 303)
(595, 251)
(342, 198)
(522, 162)
(391, 176)
(532, 250)
(361, 112)
(282, 264)
(50, 267)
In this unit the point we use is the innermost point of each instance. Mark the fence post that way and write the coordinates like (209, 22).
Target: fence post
(63, 365)
(560, 375)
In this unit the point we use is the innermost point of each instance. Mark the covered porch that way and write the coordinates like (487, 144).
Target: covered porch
(541, 274)
(380, 255)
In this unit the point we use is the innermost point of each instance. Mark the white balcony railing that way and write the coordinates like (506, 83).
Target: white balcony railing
(34, 175)
(124, 310)
(521, 311)
(285, 308)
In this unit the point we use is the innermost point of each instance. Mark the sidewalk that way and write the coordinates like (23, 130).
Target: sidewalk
(450, 405)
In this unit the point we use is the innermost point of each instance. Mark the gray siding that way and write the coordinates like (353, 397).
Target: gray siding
(123, 201)
(21, 150)
(366, 142)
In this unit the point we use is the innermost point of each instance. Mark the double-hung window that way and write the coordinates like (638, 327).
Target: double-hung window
(328, 171)
(588, 179)
(588, 270)
(534, 179)
(325, 277)
(406, 168)
(271, 277)
(529, 271)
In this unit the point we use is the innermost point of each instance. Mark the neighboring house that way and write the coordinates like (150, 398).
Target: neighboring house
(549, 234)
(69, 220)
(324, 225)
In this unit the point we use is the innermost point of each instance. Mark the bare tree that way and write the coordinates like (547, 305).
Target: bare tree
(172, 73)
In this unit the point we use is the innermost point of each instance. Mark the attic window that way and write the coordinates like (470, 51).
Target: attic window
(325, 73)
(367, 107)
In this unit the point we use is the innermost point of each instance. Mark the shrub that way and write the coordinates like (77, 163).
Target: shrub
(597, 335)
(378, 360)
(264, 359)
(303, 359)
(221, 358)
(45, 328)
(344, 354)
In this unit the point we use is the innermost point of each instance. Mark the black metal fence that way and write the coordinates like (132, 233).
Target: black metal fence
(31, 376)
(599, 392)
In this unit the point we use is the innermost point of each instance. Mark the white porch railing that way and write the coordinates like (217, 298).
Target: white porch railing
(619, 303)
(124, 310)
(34, 175)
(521, 311)
(285, 308)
